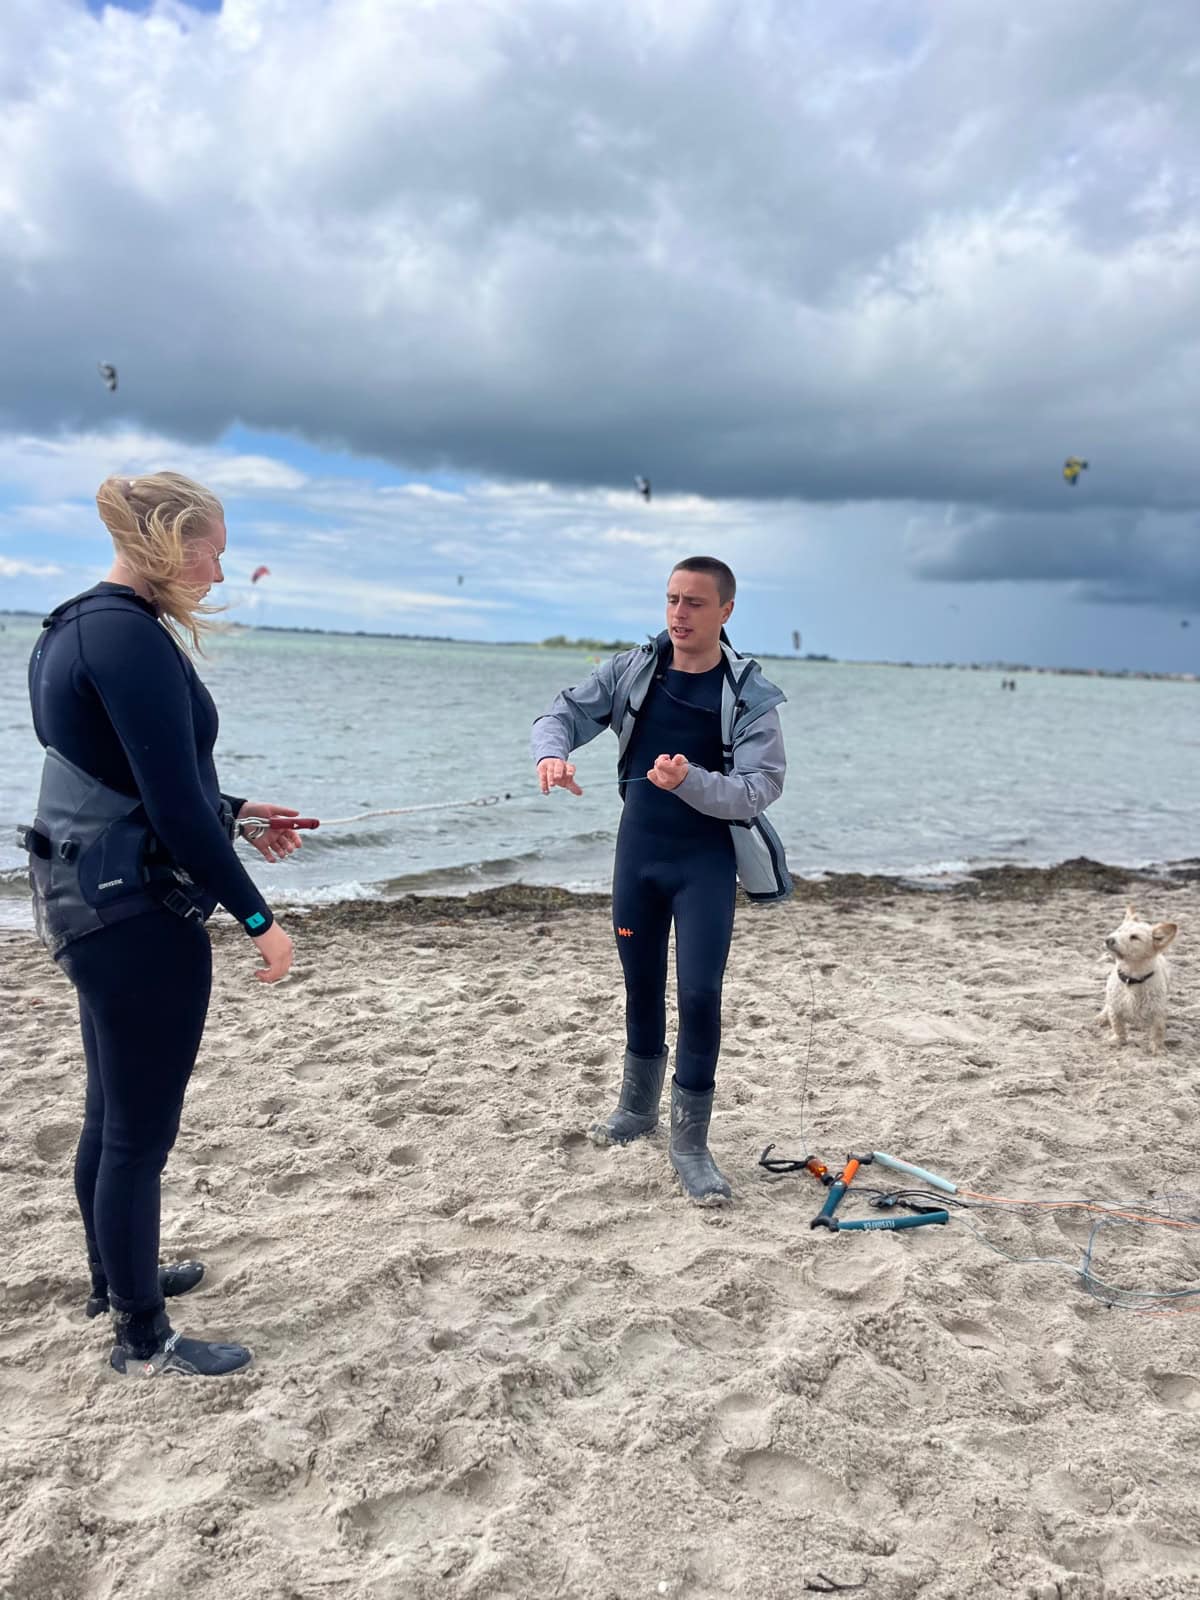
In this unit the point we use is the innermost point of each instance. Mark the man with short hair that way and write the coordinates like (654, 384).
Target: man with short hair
(700, 722)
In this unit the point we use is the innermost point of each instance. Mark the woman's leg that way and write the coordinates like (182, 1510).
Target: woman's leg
(87, 1153)
(145, 986)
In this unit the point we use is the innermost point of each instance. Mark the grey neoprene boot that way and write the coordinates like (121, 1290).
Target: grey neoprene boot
(637, 1104)
(699, 1174)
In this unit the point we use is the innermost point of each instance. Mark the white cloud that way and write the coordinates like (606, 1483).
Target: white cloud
(27, 569)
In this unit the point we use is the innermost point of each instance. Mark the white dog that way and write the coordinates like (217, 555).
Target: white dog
(1137, 986)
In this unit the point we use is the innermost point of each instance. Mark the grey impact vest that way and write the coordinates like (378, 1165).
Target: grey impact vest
(93, 859)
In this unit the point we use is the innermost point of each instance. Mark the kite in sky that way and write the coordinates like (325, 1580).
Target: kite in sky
(1072, 467)
(260, 572)
(642, 485)
(109, 374)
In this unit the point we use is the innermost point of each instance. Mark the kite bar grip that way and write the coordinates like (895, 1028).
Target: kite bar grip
(916, 1172)
(255, 827)
(890, 1224)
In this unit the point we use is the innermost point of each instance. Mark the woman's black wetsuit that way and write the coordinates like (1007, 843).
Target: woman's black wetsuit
(114, 695)
(673, 862)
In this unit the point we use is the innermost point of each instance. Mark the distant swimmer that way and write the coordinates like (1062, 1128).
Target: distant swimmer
(700, 758)
(131, 851)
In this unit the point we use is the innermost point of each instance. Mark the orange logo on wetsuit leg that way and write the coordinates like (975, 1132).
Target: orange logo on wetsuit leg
(625, 933)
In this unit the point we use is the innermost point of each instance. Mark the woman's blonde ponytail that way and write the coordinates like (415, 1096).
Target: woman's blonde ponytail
(150, 519)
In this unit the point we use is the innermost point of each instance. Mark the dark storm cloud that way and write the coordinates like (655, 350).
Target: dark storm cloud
(901, 252)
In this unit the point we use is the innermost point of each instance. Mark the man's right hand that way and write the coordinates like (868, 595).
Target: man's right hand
(557, 775)
(276, 950)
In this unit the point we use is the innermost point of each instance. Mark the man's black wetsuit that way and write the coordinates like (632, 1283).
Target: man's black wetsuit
(674, 862)
(115, 695)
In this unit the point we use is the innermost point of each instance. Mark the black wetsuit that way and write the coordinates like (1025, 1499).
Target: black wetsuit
(672, 862)
(112, 693)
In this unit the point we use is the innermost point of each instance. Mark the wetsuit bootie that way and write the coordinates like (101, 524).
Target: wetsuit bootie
(699, 1174)
(174, 1280)
(148, 1346)
(637, 1104)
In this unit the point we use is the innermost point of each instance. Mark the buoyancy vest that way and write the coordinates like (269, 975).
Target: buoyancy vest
(94, 859)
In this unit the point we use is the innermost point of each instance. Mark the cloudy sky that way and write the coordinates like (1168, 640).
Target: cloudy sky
(419, 289)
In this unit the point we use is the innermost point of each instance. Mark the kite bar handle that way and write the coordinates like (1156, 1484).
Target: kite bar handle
(907, 1167)
(890, 1224)
(255, 827)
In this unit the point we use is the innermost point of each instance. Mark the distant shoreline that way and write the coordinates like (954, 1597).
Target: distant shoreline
(594, 647)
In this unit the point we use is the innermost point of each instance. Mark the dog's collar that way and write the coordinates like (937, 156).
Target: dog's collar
(1125, 978)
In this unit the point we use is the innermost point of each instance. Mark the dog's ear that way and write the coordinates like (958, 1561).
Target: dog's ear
(1131, 914)
(1162, 933)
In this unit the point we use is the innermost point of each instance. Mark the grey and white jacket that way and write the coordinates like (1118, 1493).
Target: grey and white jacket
(613, 695)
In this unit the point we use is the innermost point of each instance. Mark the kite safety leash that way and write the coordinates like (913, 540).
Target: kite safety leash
(252, 828)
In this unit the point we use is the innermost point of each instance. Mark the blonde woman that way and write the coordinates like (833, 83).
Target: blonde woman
(131, 852)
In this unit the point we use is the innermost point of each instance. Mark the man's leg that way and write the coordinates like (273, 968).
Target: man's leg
(703, 907)
(642, 926)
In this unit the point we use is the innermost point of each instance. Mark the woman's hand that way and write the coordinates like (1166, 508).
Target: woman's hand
(275, 947)
(668, 772)
(279, 841)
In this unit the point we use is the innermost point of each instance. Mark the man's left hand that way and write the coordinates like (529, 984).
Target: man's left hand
(668, 772)
(279, 841)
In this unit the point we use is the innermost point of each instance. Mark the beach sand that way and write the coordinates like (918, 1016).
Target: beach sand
(493, 1360)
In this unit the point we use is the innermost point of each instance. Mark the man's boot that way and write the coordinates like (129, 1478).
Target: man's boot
(698, 1172)
(637, 1104)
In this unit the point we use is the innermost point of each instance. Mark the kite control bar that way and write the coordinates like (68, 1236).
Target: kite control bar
(254, 827)
(838, 1186)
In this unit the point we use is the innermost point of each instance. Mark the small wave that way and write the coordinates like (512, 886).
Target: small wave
(373, 839)
(327, 894)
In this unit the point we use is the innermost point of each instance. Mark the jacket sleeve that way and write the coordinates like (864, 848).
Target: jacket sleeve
(576, 716)
(759, 765)
(139, 675)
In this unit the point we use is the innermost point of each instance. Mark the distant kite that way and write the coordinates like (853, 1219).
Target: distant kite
(1072, 467)
(260, 572)
(642, 485)
(460, 578)
(1185, 623)
(109, 374)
